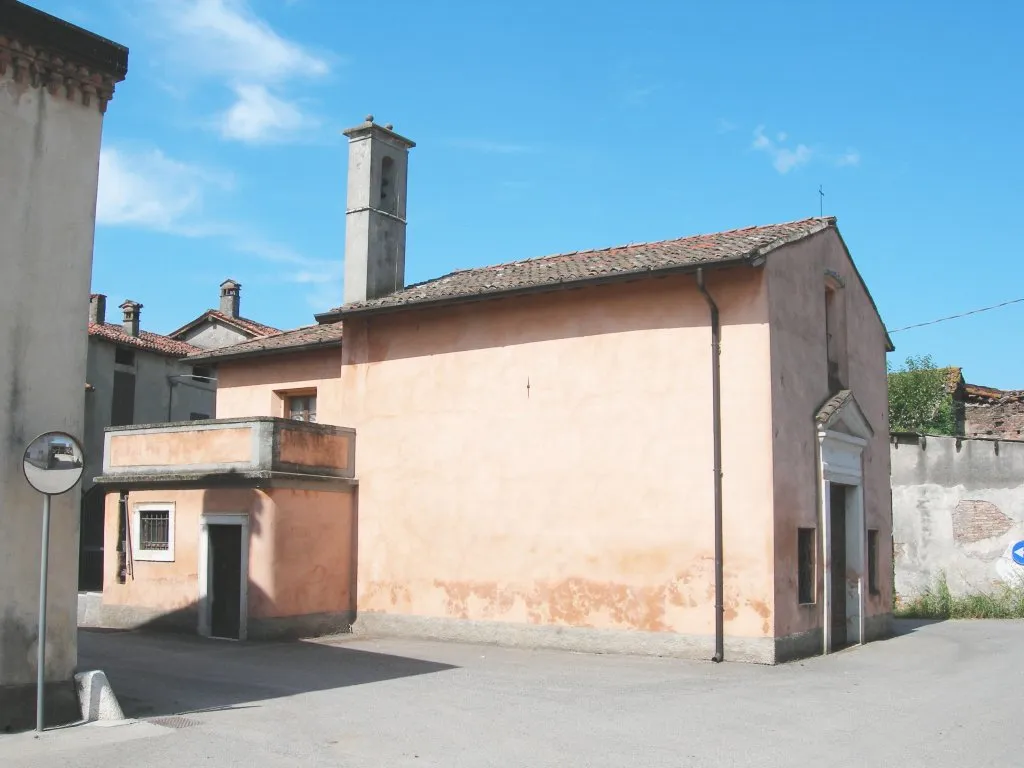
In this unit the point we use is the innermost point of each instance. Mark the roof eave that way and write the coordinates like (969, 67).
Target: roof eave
(216, 359)
(889, 346)
(138, 346)
(189, 326)
(754, 259)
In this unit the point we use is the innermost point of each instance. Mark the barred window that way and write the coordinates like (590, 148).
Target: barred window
(154, 529)
(153, 532)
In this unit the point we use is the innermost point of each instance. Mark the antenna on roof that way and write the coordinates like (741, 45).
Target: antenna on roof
(821, 202)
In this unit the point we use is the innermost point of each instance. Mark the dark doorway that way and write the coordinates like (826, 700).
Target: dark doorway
(90, 542)
(225, 580)
(837, 525)
(122, 403)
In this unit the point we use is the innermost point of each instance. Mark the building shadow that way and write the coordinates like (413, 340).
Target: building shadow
(160, 674)
(901, 627)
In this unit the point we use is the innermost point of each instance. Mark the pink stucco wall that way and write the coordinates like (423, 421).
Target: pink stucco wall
(164, 587)
(796, 289)
(256, 386)
(548, 459)
(301, 557)
(302, 554)
(152, 449)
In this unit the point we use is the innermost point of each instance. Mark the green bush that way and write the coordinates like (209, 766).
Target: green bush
(1005, 602)
(920, 399)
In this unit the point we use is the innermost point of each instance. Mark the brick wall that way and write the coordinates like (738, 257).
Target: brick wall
(975, 520)
(999, 419)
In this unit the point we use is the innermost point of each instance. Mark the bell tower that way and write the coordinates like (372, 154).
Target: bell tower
(378, 164)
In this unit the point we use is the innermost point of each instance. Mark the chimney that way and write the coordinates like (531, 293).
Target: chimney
(132, 310)
(378, 164)
(98, 308)
(230, 297)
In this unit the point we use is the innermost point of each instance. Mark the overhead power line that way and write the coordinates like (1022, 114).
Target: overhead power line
(957, 317)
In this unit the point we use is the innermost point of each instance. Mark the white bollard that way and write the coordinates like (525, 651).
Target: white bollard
(96, 698)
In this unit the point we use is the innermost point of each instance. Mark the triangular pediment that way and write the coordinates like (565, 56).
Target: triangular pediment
(842, 413)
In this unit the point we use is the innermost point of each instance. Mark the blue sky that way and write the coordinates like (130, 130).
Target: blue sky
(545, 127)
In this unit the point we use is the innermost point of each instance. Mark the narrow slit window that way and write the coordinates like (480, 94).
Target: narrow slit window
(805, 565)
(388, 200)
(873, 587)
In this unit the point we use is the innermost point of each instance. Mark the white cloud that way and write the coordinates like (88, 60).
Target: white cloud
(850, 157)
(788, 159)
(224, 37)
(150, 190)
(784, 159)
(225, 41)
(259, 117)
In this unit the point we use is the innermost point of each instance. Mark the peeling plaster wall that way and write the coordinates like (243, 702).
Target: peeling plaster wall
(958, 506)
(547, 461)
(49, 159)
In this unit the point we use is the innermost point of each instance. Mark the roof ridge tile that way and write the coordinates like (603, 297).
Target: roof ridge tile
(616, 260)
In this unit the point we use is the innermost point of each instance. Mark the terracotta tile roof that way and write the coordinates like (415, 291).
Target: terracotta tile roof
(242, 323)
(151, 342)
(585, 266)
(832, 406)
(975, 393)
(300, 339)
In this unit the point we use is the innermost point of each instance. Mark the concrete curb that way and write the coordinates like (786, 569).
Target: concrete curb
(96, 698)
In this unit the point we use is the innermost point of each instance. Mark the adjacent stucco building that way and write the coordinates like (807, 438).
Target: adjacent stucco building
(235, 528)
(140, 377)
(225, 325)
(56, 81)
(133, 377)
(677, 447)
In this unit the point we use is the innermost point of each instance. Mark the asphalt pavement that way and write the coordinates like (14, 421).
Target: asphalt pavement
(938, 695)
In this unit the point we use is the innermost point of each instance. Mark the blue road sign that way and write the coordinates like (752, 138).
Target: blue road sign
(1018, 553)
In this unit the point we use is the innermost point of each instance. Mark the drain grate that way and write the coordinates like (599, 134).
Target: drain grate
(176, 722)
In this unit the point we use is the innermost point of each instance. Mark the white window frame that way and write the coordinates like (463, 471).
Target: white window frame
(153, 555)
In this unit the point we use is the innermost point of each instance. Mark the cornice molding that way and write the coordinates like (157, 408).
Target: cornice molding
(35, 67)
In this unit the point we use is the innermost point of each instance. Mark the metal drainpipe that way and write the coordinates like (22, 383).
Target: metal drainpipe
(122, 537)
(716, 411)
